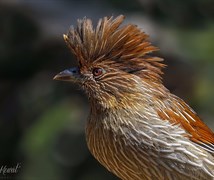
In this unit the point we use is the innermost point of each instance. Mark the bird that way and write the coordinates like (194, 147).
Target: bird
(136, 128)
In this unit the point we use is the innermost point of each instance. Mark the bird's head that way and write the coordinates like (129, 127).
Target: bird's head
(113, 61)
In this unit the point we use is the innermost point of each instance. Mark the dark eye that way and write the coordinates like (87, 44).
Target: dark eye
(97, 72)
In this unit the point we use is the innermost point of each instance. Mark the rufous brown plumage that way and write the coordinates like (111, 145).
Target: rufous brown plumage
(136, 128)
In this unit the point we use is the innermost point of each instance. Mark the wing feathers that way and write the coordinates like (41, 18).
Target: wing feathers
(198, 131)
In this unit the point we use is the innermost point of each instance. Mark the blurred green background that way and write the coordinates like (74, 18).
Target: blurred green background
(42, 121)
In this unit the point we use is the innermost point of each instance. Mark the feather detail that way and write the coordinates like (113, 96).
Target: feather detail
(198, 132)
(136, 128)
(109, 42)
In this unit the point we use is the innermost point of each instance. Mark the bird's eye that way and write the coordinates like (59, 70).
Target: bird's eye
(97, 72)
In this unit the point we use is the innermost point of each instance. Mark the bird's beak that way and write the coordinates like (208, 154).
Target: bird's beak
(71, 74)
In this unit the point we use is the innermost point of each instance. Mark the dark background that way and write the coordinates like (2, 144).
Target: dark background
(42, 121)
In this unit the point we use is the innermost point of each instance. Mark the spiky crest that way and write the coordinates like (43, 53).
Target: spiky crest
(127, 47)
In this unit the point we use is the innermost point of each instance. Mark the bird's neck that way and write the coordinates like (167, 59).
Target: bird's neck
(138, 94)
(118, 110)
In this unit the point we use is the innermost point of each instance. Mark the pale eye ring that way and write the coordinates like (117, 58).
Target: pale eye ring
(97, 72)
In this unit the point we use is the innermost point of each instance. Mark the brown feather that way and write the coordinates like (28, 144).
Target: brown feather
(136, 128)
(197, 131)
(122, 46)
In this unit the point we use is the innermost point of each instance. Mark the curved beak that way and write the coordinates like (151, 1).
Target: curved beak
(71, 74)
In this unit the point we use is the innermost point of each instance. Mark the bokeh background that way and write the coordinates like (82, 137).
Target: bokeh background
(42, 121)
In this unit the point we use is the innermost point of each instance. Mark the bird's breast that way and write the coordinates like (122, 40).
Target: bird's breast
(117, 146)
(115, 153)
(142, 149)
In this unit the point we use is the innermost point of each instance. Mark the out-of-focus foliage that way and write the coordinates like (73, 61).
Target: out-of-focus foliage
(42, 121)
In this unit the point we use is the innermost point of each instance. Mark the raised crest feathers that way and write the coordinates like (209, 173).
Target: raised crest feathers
(110, 41)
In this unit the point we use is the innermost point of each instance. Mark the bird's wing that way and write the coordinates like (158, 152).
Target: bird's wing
(198, 132)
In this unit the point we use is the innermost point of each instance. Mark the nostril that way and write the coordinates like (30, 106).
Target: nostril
(74, 70)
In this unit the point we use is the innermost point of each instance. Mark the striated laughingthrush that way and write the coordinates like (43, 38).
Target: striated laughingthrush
(136, 128)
